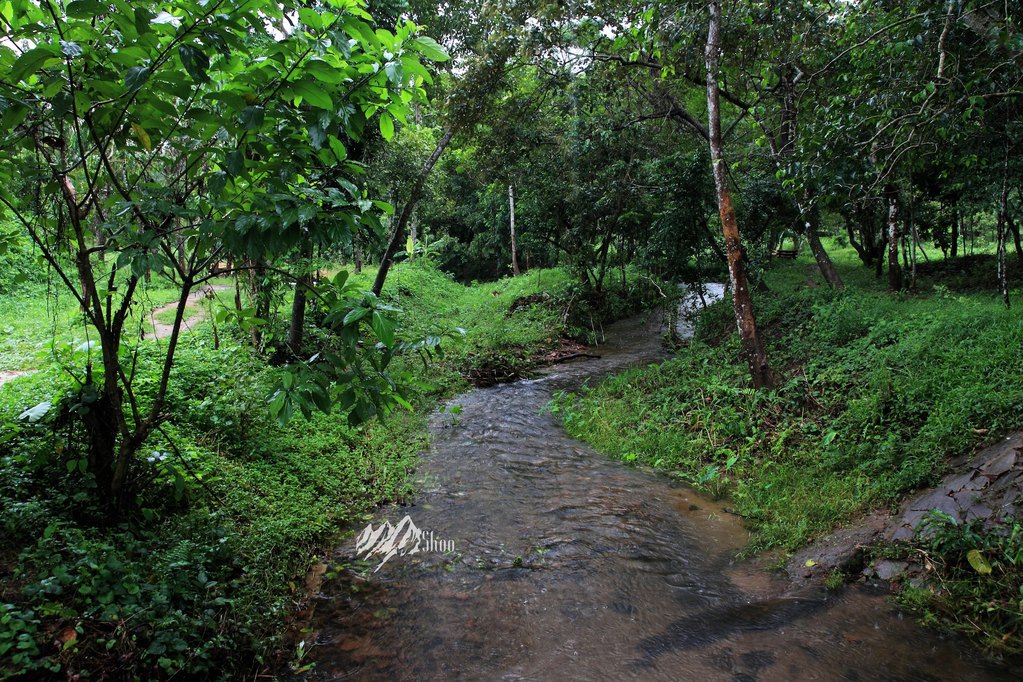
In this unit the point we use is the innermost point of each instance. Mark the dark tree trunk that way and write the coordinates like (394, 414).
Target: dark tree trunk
(861, 251)
(752, 346)
(713, 243)
(302, 284)
(954, 241)
(824, 263)
(260, 298)
(820, 255)
(1014, 229)
(406, 212)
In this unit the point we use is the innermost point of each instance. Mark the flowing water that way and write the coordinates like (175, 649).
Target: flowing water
(571, 566)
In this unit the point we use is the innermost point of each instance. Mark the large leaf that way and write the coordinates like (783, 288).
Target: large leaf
(386, 126)
(31, 62)
(136, 77)
(979, 563)
(313, 94)
(196, 63)
(430, 49)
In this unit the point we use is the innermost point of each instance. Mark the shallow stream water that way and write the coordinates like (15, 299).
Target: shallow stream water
(571, 566)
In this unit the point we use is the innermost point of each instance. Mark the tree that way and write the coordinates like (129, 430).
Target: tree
(752, 346)
(171, 134)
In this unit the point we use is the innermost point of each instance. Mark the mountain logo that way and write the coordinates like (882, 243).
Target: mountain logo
(403, 539)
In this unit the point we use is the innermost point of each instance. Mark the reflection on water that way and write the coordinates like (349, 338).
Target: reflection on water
(571, 566)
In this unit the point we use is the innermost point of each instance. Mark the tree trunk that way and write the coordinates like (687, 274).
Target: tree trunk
(824, 263)
(894, 270)
(406, 212)
(861, 251)
(1014, 229)
(954, 242)
(752, 345)
(511, 207)
(714, 247)
(260, 299)
(1002, 234)
(820, 255)
(298, 304)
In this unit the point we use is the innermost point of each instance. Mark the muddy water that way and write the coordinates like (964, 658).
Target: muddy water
(571, 566)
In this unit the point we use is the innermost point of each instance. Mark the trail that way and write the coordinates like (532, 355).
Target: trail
(162, 331)
(155, 330)
(570, 566)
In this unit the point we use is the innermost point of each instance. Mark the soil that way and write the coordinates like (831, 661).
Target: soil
(161, 330)
(6, 376)
(987, 487)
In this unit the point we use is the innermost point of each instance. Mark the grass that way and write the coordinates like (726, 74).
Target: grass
(202, 579)
(876, 391)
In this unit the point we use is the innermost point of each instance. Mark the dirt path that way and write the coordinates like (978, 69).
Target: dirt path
(7, 375)
(193, 313)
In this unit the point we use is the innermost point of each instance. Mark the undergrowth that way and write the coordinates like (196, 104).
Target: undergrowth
(202, 578)
(875, 392)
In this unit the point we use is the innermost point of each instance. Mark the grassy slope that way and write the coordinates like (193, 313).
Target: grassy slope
(209, 570)
(876, 392)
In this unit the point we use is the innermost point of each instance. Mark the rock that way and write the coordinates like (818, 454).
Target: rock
(961, 481)
(978, 511)
(1000, 464)
(889, 570)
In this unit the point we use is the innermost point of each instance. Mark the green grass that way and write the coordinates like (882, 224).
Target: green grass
(203, 576)
(876, 391)
(35, 320)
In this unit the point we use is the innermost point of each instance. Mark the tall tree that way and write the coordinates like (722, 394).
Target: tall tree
(752, 346)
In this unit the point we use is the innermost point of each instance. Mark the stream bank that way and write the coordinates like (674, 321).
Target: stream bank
(570, 565)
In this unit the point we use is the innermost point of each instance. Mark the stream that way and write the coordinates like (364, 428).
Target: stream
(568, 565)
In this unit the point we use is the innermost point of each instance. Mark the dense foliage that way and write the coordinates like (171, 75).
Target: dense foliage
(201, 202)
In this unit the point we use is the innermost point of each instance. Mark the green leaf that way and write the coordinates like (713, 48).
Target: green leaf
(313, 94)
(323, 72)
(979, 563)
(31, 62)
(338, 148)
(84, 9)
(311, 18)
(13, 116)
(356, 314)
(195, 62)
(136, 77)
(252, 118)
(395, 72)
(234, 163)
(386, 126)
(383, 327)
(430, 49)
(142, 136)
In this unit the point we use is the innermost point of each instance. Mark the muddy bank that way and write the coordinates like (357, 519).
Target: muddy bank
(987, 486)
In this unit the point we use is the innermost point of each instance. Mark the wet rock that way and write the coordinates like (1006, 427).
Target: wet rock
(890, 570)
(978, 511)
(987, 486)
(844, 550)
(1000, 464)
